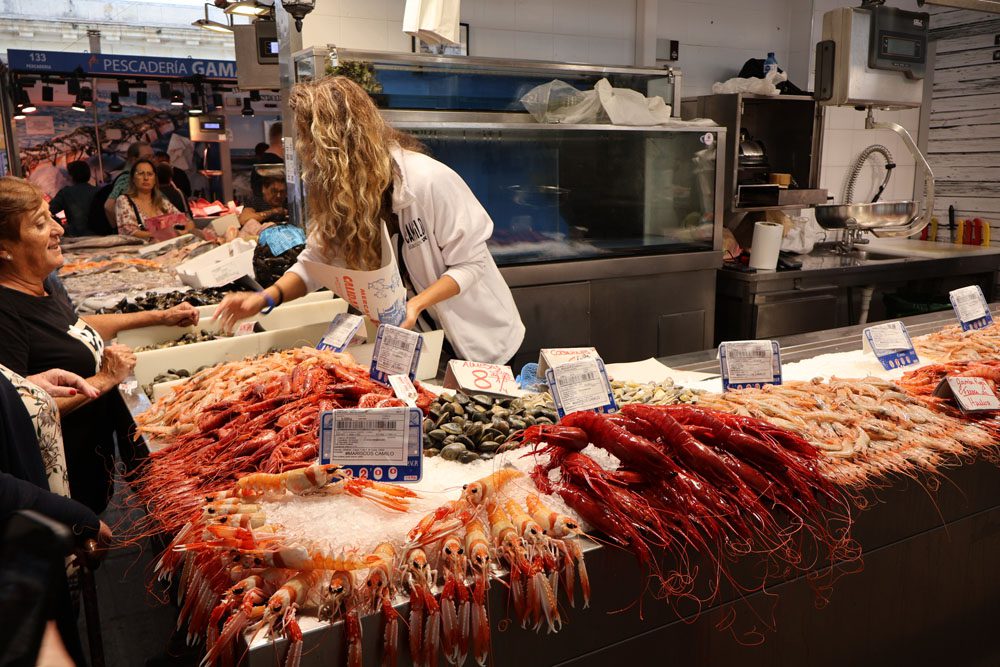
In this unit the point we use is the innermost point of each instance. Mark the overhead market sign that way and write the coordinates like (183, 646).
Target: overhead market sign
(101, 64)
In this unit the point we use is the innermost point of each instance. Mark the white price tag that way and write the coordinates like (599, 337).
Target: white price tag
(971, 393)
(341, 332)
(889, 337)
(580, 385)
(476, 377)
(379, 443)
(551, 357)
(750, 363)
(970, 307)
(397, 352)
(244, 328)
(403, 387)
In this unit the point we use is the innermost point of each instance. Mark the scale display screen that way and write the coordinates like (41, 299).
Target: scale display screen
(211, 125)
(897, 46)
(268, 48)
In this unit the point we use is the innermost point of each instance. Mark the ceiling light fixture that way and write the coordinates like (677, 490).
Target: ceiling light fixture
(246, 8)
(196, 107)
(82, 97)
(141, 97)
(116, 104)
(298, 9)
(177, 99)
(24, 102)
(247, 107)
(214, 26)
(48, 94)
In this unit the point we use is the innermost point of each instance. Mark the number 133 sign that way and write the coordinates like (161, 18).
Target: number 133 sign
(474, 377)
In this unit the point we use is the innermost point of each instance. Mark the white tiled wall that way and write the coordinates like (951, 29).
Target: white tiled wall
(590, 31)
(717, 36)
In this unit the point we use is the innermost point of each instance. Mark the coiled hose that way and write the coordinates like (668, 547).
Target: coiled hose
(859, 162)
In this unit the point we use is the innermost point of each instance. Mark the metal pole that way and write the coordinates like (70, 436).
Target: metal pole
(97, 129)
(289, 41)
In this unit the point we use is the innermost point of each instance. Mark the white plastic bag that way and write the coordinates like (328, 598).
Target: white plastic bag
(628, 107)
(765, 86)
(802, 236)
(559, 102)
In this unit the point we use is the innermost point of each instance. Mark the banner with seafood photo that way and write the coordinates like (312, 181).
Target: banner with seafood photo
(57, 134)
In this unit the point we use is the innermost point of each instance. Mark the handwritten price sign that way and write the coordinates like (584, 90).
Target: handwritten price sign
(972, 394)
(475, 377)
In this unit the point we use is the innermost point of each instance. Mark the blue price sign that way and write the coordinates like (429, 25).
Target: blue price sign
(891, 344)
(397, 352)
(581, 385)
(971, 308)
(749, 363)
(383, 444)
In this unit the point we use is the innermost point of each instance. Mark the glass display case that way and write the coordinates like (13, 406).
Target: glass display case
(578, 192)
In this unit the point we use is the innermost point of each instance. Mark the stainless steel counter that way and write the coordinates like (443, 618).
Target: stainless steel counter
(825, 293)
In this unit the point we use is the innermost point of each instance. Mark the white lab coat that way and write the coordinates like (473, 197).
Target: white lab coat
(444, 230)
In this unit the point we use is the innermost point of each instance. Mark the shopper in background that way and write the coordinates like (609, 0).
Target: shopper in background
(275, 154)
(76, 199)
(259, 150)
(361, 174)
(140, 150)
(178, 176)
(142, 200)
(164, 181)
(270, 206)
(41, 331)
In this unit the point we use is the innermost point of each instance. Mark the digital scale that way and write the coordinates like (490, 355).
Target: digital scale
(864, 51)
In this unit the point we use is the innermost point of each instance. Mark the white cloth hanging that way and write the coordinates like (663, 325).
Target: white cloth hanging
(433, 21)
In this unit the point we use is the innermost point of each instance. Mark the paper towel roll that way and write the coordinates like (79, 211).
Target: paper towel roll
(765, 245)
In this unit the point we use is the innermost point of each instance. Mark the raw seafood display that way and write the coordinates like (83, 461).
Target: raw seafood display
(164, 301)
(268, 268)
(464, 428)
(190, 337)
(665, 392)
(953, 344)
(869, 429)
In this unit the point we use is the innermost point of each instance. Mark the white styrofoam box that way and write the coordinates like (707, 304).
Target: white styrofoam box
(219, 266)
(295, 314)
(224, 223)
(169, 244)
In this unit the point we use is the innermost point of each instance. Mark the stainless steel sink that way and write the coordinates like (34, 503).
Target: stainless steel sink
(857, 254)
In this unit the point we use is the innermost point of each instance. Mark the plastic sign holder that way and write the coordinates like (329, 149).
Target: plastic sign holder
(581, 385)
(550, 357)
(476, 377)
(971, 394)
(396, 352)
(383, 444)
(749, 363)
(342, 331)
(891, 344)
(970, 307)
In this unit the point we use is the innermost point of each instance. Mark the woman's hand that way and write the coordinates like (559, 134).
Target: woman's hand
(181, 315)
(60, 384)
(413, 309)
(238, 306)
(117, 363)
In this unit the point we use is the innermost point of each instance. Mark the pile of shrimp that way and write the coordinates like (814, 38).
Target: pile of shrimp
(176, 413)
(953, 344)
(693, 479)
(922, 382)
(239, 572)
(870, 430)
(264, 422)
(107, 265)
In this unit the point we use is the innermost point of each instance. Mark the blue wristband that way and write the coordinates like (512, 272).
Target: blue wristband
(270, 303)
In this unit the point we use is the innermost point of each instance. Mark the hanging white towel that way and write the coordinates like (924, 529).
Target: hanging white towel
(411, 17)
(438, 23)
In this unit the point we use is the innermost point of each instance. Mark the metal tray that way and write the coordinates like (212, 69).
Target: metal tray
(881, 215)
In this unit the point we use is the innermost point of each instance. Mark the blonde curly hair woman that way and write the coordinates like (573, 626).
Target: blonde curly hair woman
(360, 174)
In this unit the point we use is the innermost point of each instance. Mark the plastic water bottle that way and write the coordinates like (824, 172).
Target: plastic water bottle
(770, 64)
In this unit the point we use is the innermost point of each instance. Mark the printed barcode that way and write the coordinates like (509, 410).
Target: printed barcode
(756, 353)
(367, 424)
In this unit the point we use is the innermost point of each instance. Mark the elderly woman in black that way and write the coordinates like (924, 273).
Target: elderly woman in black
(41, 331)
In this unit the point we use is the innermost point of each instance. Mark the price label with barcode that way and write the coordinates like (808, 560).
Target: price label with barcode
(384, 444)
(581, 385)
(397, 352)
(403, 387)
(749, 363)
(341, 332)
(970, 307)
(891, 344)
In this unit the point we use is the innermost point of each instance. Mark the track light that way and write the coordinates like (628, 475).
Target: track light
(123, 89)
(141, 97)
(196, 107)
(214, 26)
(116, 104)
(217, 101)
(165, 91)
(73, 86)
(47, 93)
(246, 8)
(247, 107)
(82, 97)
(24, 101)
(177, 99)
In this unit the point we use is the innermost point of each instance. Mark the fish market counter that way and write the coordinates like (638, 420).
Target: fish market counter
(830, 289)
(924, 591)
(928, 574)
